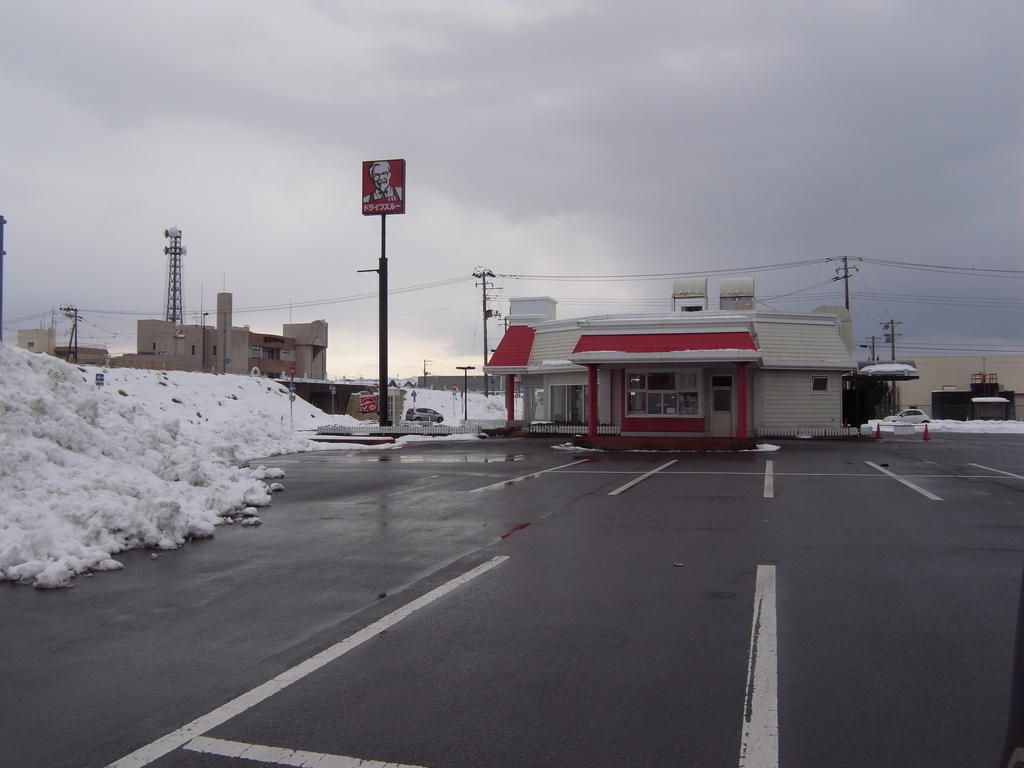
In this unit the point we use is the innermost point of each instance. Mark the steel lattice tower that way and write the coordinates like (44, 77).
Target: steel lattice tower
(175, 299)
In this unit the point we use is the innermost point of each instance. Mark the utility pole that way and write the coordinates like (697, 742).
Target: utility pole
(482, 273)
(2, 252)
(843, 273)
(890, 336)
(73, 316)
(425, 372)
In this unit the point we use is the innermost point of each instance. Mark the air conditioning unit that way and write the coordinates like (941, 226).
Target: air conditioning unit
(690, 295)
(736, 293)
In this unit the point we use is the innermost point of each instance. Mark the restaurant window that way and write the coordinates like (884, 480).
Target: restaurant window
(568, 403)
(662, 393)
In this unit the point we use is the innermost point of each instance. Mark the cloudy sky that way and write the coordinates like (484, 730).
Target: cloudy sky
(544, 138)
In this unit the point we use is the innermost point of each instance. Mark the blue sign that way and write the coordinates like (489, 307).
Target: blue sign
(413, 393)
(333, 389)
(99, 379)
(291, 387)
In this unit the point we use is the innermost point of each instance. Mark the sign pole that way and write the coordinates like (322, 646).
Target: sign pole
(383, 193)
(382, 275)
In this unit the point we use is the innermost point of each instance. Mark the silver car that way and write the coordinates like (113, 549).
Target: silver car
(424, 414)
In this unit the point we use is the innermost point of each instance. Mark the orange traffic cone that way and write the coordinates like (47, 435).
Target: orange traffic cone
(878, 430)
(927, 434)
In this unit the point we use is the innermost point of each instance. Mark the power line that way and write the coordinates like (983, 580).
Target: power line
(975, 271)
(665, 275)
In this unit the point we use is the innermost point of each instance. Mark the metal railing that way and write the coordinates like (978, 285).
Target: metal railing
(807, 431)
(572, 429)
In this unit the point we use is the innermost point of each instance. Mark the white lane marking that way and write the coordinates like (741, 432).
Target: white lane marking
(513, 480)
(759, 742)
(1000, 471)
(769, 479)
(283, 756)
(157, 749)
(642, 477)
(894, 476)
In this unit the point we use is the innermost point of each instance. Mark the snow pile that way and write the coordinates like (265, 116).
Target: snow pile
(241, 417)
(87, 471)
(978, 426)
(449, 404)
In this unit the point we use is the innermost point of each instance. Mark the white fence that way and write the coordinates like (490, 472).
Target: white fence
(402, 429)
(571, 429)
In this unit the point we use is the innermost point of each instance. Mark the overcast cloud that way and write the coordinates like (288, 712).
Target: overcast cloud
(555, 137)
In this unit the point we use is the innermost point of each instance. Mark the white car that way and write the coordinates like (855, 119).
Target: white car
(910, 416)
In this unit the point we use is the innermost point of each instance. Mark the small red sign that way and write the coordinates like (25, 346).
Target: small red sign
(383, 187)
(291, 371)
(367, 403)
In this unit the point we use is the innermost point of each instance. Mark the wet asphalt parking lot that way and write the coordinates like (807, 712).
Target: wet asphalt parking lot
(503, 603)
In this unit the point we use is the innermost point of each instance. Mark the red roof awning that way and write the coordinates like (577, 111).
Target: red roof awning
(652, 343)
(514, 349)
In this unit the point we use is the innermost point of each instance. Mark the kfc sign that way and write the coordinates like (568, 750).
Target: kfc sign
(383, 187)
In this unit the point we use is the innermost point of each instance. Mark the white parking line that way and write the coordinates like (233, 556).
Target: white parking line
(513, 480)
(283, 756)
(157, 749)
(769, 479)
(906, 482)
(642, 477)
(759, 740)
(1001, 472)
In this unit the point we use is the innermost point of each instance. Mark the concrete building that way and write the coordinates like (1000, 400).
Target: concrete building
(43, 340)
(225, 348)
(37, 340)
(958, 372)
(310, 348)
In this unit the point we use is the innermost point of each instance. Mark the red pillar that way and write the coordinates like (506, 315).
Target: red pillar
(591, 401)
(510, 396)
(741, 401)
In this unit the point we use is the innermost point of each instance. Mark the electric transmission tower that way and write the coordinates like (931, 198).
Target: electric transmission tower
(175, 300)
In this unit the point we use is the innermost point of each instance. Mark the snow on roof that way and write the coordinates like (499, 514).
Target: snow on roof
(887, 368)
(989, 400)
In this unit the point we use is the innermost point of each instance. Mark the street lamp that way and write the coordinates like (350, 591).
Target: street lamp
(203, 366)
(465, 388)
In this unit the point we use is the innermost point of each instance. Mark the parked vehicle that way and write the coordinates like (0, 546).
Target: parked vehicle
(910, 416)
(424, 414)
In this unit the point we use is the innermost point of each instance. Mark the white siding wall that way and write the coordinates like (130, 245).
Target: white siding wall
(804, 341)
(784, 399)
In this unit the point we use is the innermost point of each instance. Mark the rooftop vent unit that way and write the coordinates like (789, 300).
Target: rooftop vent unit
(690, 295)
(736, 293)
